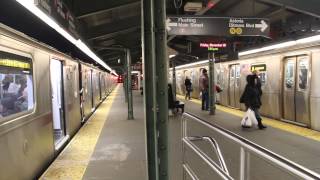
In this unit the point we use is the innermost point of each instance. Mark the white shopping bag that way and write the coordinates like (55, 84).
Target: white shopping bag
(249, 119)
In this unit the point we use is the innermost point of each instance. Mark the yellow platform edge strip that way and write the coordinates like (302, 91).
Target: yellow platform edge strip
(72, 162)
(305, 132)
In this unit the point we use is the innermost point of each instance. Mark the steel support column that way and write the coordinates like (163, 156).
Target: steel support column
(174, 82)
(129, 85)
(125, 81)
(162, 85)
(150, 80)
(212, 85)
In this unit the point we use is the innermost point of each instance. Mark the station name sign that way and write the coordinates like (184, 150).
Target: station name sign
(217, 26)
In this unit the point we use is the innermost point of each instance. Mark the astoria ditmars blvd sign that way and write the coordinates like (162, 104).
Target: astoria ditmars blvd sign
(217, 26)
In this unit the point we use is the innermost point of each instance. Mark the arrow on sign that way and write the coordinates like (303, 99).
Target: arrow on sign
(170, 24)
(263, 25)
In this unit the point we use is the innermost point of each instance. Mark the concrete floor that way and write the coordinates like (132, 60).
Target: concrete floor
(298, 149)
(120, 153)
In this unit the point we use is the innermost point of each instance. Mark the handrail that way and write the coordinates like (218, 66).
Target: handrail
(246, 145)
(215, 146)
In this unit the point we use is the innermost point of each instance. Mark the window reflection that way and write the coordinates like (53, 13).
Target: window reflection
(303, 74)
(289, 75)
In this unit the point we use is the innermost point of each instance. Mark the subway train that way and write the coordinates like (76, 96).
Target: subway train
(45, 96)
(291, 89)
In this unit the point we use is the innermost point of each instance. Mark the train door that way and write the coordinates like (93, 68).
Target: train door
(100, 86)
(92, 89)
(56, 75)
(234, 85)
(296, 89)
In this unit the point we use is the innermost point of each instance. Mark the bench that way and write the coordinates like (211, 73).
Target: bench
(172, 102)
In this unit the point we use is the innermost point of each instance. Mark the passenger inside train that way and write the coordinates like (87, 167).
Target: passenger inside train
(16, 92)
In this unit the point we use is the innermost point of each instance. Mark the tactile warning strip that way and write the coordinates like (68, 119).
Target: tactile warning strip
(309, 133)
(74, 159)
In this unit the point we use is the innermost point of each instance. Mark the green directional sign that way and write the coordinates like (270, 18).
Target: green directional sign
(217, 26)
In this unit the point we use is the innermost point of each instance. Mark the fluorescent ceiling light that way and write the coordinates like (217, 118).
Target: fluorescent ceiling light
(29, 4)
(191, 64)
(282, 45)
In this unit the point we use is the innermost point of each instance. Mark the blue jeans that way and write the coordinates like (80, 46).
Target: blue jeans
(205, 100)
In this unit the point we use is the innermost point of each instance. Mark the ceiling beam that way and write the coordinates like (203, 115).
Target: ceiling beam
(87, 8)
(108, 9)
(113, 27)
(271, 12)
(310, 8)
(116, 33)
(231, 6)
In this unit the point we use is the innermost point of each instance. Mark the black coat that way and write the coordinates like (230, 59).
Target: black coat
(187, 83)
(251, 96)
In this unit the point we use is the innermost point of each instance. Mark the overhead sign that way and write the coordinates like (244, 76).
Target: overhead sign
(217, 26)
(213, 45)
(57, 10)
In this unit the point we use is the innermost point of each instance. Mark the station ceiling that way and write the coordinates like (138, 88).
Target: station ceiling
(117, 23)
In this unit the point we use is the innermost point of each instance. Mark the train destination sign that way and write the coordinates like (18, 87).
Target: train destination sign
(217, 26)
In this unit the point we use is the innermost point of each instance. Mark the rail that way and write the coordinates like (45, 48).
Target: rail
(246, 147)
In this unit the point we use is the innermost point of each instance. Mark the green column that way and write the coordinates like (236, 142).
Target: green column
(174, 82)
(129, 85)
(125, 80)
(212, 89)
(162, 85)
(149, 89)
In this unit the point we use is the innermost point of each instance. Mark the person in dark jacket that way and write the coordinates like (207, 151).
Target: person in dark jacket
(204, 87)
(251, 97)
(188, 85)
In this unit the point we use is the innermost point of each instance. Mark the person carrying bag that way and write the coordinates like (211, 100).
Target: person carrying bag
(251, 97)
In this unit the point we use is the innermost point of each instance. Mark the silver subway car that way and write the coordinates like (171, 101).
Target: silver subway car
(291, 91)
(39, 103)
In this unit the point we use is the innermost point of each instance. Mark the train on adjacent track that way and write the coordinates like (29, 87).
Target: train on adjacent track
(291, 89)
(45, 96)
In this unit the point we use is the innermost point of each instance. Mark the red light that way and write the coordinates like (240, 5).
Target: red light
(210, 4)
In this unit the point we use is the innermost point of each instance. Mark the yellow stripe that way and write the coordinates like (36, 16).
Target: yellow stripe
(309, 133)
(71, 164)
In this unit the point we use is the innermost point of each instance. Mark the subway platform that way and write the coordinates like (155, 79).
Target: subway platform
(109, 146)
(297, 144)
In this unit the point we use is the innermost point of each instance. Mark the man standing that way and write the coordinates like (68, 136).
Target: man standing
(204, 87)
(188, 86)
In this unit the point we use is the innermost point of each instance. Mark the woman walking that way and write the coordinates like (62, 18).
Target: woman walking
(251, 97)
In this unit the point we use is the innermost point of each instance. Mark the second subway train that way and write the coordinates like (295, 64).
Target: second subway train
(291, 89)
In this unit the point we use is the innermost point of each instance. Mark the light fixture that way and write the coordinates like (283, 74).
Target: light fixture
(29, 4)
(191, 64)
(282, 45)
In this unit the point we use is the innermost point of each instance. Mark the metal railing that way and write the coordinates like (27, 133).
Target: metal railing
(246, 147)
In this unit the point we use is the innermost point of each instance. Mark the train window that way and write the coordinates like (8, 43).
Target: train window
(263, 77)
(16, 90)
(289, 75)
(75, 81)
(303, 74)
